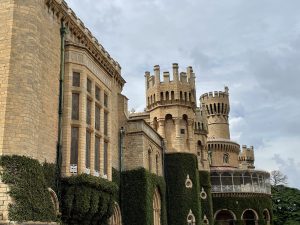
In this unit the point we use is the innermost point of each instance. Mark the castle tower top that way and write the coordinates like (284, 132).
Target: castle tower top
(178, 89)
(217, 109)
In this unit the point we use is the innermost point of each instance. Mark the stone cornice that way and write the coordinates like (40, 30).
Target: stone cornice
(84, 38)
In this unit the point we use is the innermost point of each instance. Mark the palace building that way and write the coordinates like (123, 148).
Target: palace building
(62, 103)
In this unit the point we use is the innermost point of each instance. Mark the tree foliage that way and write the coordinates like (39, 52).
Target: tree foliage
(286, 205)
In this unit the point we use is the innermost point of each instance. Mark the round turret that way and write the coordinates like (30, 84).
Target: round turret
(217, 109)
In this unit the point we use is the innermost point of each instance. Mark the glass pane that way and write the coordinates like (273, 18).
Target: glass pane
(75, 106)
(76, 79)
(74, 145)
(105, 158)
(97, 93)
(97, 117)
(88, 111)
(97, 153)
(105, 123)
(89, 85)
(88, 149)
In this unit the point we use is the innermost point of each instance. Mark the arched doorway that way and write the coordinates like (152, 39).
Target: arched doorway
(116, 218)
(267, 216)
(225, 217)
(156, 207)
(249, 217)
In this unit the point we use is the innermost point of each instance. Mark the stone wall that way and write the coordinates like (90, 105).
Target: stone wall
(29, 122)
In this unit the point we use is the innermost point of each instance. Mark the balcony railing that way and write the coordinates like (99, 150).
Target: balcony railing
(234, 181)
(240, 188)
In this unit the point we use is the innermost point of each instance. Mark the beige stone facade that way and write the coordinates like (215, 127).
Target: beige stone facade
(98, 132)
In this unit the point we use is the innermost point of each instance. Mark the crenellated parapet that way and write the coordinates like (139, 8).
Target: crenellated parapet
(178, 89)
(246, 157)
(216, 105)
(78, 34)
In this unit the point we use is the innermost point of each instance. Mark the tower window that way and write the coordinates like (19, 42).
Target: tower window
(97, 93)
(105, 100)
(75, 106)
(88, 111)
(76, 79)
(89, 85)
(182, 131)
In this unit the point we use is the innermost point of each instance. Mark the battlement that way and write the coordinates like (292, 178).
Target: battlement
(179, 90)
(187, 77)
(83, 36)
(215, 94)
(247, 154)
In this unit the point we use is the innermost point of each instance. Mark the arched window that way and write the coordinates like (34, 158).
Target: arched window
(167, 95)
(156, 207)
(225, 217)
(161, 96)
(155, 123)
(172, 95)
(267, 216)
(250, 217)
(116, 218)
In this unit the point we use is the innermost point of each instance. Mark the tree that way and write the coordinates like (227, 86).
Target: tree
(286, 205)
(278, 178)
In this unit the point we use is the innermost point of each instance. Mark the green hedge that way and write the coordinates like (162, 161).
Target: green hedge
(206, 204)
(87, 200)
(137, 190)
(28, 188)
(181, 199)
(239, 204)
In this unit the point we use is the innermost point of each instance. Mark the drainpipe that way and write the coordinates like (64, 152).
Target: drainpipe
(60, 110)
(122, 134)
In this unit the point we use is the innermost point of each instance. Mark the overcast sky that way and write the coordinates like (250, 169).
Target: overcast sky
(252, 46)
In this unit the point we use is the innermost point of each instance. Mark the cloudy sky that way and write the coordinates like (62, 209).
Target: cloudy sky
(251, 46)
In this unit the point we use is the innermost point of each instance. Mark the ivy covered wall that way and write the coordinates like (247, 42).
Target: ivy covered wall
(239, 204)
(137, 191)
(28, 188)
(206, 204)
(180, 199)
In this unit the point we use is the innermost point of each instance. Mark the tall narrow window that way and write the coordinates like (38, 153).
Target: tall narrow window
(105, 100)
(149, 160)
(157, 163)
(97, 153)
(74, 145)
(76, 79)
(106, 123)
(88, 149)
(97, 117)
(75, 106)
(105, 158)
(88, 111)
(89, 85)
(97, 93)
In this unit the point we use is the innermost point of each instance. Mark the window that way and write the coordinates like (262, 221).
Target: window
(88, 149)
(226, 158)
(74, 145)
(88, 111)
(105, 158)
(97, 117)
(182, 131)
(75, 106)
(89, 85)
(105, 123)
(149, 160)
(97, 93)
(157, 163)
(156, 207)
(97, 153)
(76, 79)
(105, 100)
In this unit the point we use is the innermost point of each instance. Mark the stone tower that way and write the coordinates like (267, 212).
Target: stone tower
(222, 151)
(171, 105)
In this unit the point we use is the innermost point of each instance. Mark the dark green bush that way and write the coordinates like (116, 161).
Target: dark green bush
(28, 188)
(206, 204)
(87, 200)
(181, 199)
(137, 190)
